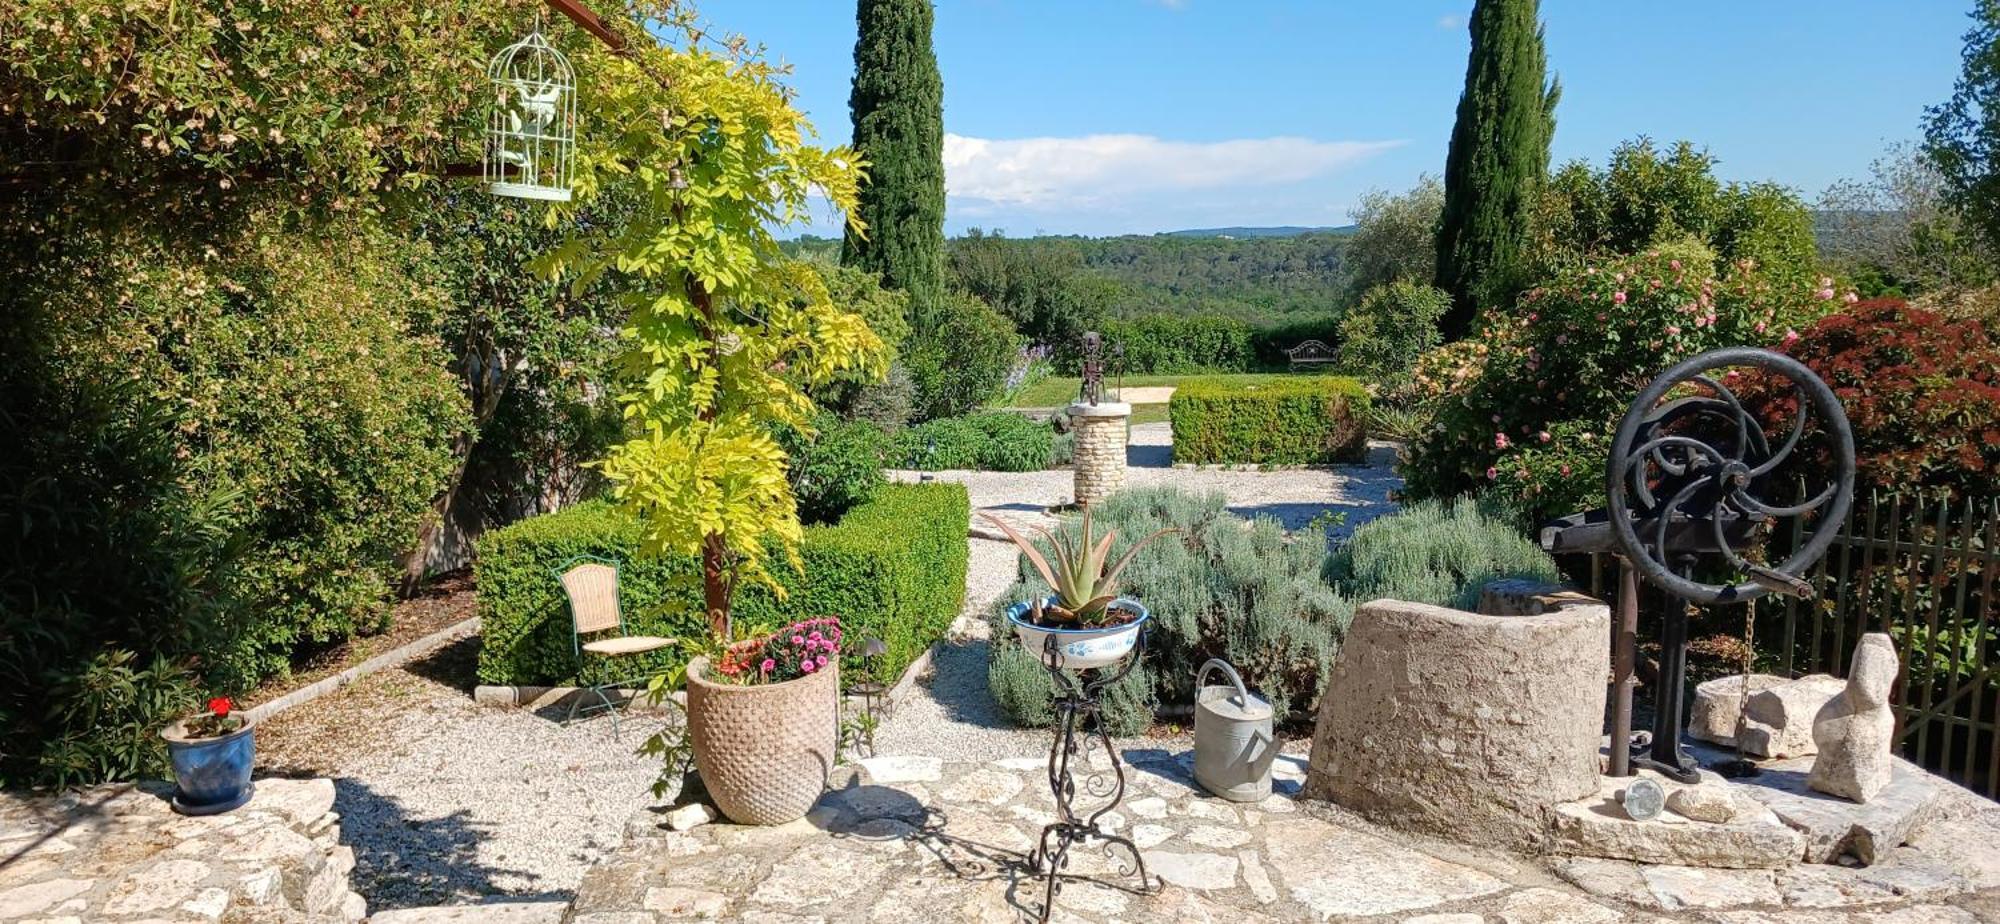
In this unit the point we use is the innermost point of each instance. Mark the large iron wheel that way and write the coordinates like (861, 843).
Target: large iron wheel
(1697, 472)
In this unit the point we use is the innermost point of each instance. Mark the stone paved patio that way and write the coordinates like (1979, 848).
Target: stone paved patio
(117, 853)
(922, 839)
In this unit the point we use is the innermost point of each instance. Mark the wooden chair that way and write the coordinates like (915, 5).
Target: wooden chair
(592, 587)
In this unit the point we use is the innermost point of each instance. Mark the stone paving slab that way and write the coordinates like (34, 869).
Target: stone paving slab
(118, 853)
(928, 839)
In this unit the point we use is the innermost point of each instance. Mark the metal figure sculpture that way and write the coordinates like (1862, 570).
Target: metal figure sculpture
(1694, 475)
(1093, 369)
(1079, 728)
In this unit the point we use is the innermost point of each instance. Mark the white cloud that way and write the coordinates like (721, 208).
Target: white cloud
(1450, 21)
(1172, 4)
(1121, 171)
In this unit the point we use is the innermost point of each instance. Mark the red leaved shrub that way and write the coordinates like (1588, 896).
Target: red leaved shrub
(1922, 391)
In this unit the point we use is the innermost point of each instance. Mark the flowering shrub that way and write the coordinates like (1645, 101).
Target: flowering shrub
(790, 653)
(216, 722)
(1921, 390)
(1521, 408)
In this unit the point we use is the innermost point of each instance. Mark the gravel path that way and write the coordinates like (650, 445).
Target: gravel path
(1294, 497)
(448, 802)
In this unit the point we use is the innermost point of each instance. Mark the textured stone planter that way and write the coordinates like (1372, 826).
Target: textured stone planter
(764, 752)
(1467, 726)
(1099, 456)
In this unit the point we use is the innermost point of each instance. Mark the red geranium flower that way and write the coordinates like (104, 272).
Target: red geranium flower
(220, 706)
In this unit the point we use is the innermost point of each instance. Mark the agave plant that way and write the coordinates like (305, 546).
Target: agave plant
(1084, 587)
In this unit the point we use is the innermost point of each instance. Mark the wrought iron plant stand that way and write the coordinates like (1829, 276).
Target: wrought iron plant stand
(1080, 728)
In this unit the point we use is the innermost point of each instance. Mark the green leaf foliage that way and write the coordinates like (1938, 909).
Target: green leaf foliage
(1527, 407)
(1395, 324)
(838, 466)
(1298, 420)
(1498, 159)
(898, 109)
(215, 454)
(1440, 553)
(893, 568)
(1167, 344)
(995, 441)
(1962, 134)
(959, 354)
(1645, 198)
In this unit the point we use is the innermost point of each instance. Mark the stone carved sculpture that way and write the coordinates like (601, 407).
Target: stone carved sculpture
(1855, 731)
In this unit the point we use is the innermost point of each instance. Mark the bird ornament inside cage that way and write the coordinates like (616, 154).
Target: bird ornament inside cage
(531, 131)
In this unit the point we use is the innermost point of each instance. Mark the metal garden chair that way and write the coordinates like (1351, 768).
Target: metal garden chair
(591, 584)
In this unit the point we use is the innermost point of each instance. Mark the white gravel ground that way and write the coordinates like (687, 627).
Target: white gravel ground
(446, 802)
(1294, 497)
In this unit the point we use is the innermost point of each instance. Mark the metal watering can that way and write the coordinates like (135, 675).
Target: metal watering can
(1233, 745)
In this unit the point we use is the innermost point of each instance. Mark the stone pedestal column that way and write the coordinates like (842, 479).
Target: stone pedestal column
(1099, 457)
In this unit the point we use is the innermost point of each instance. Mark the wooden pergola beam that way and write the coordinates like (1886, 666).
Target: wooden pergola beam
(590, 22)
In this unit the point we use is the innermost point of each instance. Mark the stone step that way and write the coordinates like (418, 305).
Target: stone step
(496, 913)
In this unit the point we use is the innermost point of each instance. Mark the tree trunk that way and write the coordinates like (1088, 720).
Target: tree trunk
(715, 587)
(486, 381)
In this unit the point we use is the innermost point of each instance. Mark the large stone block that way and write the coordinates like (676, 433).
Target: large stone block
(1779, 721)
(1469, 726)
(1753, 837)
(1718, 704)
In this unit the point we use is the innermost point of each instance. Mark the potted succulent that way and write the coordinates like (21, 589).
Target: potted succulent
(763, 719)
(1091, 625)
(212, 755)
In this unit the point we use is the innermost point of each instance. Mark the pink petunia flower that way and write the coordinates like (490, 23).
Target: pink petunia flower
(768, 666)
(1500, 441)
(1492, 474)
(1618, 298)
(808, 666)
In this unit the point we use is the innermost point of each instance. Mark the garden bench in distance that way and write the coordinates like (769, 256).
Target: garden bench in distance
(1310, 353)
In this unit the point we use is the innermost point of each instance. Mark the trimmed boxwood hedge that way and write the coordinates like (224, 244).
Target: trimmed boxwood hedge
(893, 568)
(1289, 421)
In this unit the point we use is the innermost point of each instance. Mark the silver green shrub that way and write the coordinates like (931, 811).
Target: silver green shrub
(1436, 552)
(1225, 587)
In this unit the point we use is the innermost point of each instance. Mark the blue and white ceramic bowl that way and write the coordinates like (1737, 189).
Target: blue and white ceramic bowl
(1081, 648)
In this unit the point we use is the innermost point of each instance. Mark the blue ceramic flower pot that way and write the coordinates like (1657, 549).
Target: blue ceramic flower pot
(211, 775)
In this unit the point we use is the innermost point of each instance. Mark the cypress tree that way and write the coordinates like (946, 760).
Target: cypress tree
(1499, 158)
(898, 109)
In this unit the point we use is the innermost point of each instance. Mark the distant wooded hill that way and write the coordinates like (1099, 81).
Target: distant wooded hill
(1262, 276)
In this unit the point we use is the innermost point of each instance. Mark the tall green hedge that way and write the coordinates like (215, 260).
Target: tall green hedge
(1291, 421)
(893, 568)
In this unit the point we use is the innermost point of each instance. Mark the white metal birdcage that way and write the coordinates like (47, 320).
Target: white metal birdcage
(532, 129)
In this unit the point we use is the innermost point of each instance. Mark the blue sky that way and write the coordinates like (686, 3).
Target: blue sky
(1137, 116)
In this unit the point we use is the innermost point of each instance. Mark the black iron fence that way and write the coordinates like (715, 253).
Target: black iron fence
(1925, 568)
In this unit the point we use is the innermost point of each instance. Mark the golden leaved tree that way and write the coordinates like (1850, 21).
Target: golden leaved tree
(725, 333)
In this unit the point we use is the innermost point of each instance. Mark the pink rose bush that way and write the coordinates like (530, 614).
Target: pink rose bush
(1526, 408)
